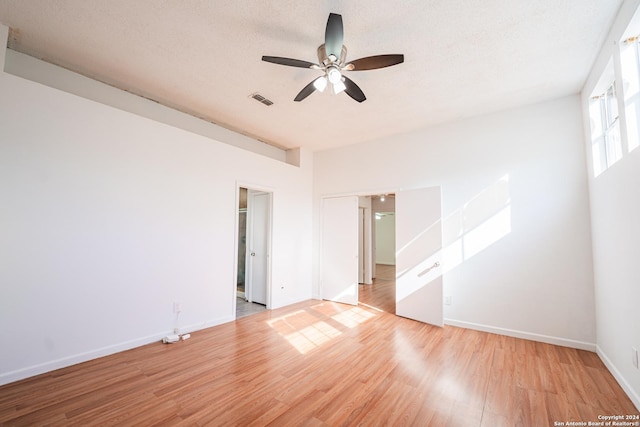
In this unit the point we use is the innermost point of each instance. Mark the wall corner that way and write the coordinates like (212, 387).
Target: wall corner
(300, 157)
(293, 156)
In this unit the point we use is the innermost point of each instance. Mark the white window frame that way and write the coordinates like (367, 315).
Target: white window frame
(631, 89)
(604, 113)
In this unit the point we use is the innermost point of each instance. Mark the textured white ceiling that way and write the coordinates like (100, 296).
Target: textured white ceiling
(462, 57)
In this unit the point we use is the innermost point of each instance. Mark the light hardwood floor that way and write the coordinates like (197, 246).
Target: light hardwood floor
(319, 363)
(382, 293)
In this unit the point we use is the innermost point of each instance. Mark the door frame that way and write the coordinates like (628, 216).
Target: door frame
(366, 260)
(368, 229)
(370, 194)
(261, 188)
(362, 245)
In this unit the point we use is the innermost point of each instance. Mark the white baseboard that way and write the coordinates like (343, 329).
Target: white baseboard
(291, 302)
(635, 398)
(208, 324)
(63, 362)
(565, 342)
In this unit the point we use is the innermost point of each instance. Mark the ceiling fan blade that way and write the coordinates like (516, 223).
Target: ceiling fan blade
(306, 91)
(334, 35)
(374, 62)
(353, 90)
(288, 61)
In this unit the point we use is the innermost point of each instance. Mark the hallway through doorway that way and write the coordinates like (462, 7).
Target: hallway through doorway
(382, 293)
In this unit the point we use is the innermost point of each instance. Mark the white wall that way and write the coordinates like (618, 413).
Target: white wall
(107, 218)
(32, 69)
(615, 221)
(386, 239)
(386, 228)
(522, 169)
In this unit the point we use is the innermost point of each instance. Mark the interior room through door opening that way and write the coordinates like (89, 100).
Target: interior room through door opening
(418, 252)
(379, 239)
(253, 257)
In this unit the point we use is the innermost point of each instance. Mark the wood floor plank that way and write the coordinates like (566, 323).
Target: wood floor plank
(319, 363)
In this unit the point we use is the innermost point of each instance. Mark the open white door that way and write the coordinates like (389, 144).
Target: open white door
(258, 235)
(361, 245)
(419, 255)
(339, 269)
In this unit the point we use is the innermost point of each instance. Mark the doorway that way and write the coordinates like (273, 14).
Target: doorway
(418, 252)
(365, 241)
(254, 247)
(380, 292)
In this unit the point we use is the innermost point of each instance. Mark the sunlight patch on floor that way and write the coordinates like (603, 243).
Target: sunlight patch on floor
(312, 336)
(303, 331)
(353, 317)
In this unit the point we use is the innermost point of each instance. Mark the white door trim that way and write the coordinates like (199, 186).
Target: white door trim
(258, 187)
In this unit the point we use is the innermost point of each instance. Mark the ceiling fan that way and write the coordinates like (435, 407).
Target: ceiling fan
(332, 62)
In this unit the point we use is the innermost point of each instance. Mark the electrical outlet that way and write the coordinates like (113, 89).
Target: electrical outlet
(447, 300)
(634, 357)
(177, 307)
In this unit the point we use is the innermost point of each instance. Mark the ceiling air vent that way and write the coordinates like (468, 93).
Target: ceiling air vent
(261, 99)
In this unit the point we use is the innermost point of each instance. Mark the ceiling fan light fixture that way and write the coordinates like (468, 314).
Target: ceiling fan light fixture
(334, 75)
(332, 61)
(338, 87)
(320, 84)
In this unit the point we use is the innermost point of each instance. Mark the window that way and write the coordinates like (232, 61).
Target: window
(605, 124)
(630, 67)
(614, 103)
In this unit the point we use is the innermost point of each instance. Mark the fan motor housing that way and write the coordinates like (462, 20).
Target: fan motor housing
(323, 59)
